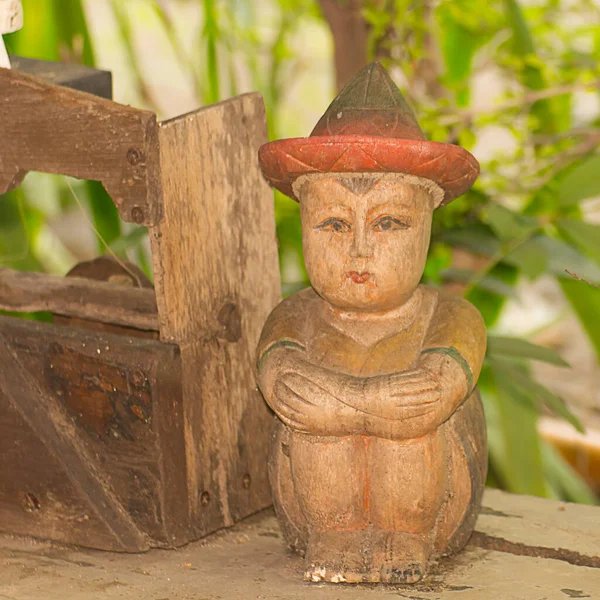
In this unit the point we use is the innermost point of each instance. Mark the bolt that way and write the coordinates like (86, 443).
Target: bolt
(246, 481)
(137, 214)
(134, 157)
(204, 498)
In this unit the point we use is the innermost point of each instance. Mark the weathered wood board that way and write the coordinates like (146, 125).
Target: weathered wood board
(216, 281)
(78, 297)
(91, 430)
(55, 129)
(118, 442)
(251, 561)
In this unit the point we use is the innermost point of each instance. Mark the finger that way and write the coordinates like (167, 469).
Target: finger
(290, 405)
(415, 388)
(282, 389)
(295, 425)
(300, 386)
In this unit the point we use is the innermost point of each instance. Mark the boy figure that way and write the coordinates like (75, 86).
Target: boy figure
(379, 456)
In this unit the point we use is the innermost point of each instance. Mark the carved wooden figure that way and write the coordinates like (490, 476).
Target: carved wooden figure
(379, 456)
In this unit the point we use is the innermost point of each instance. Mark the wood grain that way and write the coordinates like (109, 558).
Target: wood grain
(78, 297)
(216, 279)
(91, 432)
(54, 129)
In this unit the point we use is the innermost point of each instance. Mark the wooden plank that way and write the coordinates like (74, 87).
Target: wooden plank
(251, 560)
(216, 280)
(48, 420)
(54, 129)
(101, 301)
(118, 402)
(74, 76)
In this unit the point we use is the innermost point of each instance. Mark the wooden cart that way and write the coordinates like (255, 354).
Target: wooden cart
(133, 421)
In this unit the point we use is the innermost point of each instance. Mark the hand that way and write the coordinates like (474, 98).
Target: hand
(404, 395)
(306, 407)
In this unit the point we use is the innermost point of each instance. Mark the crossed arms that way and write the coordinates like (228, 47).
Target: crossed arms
(408, 404)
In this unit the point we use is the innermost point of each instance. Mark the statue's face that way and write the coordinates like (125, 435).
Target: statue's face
(365, 252)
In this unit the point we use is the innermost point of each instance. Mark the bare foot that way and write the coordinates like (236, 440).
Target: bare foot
(399, 557)
(337, 557)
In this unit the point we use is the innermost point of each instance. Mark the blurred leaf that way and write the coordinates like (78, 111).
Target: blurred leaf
(477, 239)
(105, 215)
(530, 257)
(585, 301)
(488, 282)
(131, 240)
(581, 182)
(585, 235)
(562, 256)
(210, 34)
(519, 348)
(489, 303)
(73, 31)
(538, 393)
(518, 422)
(562, 476)
(19, 227)
(507, 224)
(38, 37)
(532, 77)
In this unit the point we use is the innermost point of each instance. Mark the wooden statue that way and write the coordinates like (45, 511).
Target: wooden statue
(379, 456)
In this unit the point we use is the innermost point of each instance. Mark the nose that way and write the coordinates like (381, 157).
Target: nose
(361, 248)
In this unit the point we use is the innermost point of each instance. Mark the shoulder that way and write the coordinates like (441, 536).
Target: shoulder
(288, 319)
(456, 328)
(450, 308)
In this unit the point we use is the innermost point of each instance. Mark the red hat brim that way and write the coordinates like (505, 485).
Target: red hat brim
(451, 167)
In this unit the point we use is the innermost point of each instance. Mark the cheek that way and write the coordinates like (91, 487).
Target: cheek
(401, 258)
(325, 255)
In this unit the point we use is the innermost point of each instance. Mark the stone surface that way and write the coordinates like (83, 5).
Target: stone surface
(250, 561)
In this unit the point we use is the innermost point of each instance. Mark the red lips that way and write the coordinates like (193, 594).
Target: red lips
(359, 277)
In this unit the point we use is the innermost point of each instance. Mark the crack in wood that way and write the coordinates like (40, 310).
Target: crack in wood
(490, 542)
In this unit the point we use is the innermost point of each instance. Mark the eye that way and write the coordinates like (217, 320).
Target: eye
(388, 223)
(335, 225)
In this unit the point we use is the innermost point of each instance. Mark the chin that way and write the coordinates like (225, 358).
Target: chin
(365, 298)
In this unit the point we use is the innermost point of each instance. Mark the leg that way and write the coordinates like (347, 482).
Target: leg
(289, 515)
(407, 490)
(328, 479)
(467, 443)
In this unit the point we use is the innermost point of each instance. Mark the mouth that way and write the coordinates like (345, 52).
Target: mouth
(357, 277)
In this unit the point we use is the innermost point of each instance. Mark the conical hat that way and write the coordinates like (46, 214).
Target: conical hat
(369, 128)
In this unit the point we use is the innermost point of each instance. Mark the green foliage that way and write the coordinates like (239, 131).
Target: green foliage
(522, 219)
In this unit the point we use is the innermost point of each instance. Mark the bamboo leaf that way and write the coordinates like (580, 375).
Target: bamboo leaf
(513, 347)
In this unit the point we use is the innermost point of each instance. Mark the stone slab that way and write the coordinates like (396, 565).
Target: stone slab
(250, 561)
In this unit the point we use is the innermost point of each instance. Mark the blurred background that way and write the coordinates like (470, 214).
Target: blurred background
(516, 83)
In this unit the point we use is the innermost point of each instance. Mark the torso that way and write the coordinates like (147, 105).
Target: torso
(396, 346)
